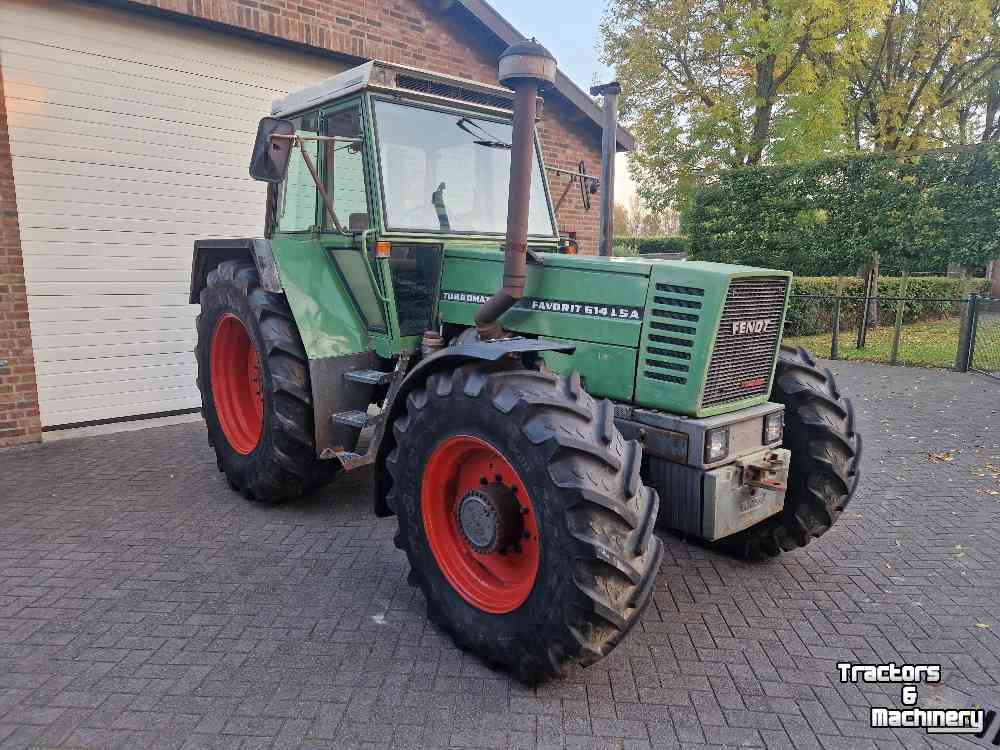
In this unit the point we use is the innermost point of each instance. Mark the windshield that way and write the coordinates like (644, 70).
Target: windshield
(443, 171)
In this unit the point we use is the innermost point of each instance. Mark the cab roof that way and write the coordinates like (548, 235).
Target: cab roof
(400, 80)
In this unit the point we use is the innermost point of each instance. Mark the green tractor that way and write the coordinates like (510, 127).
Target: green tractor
(531, 414)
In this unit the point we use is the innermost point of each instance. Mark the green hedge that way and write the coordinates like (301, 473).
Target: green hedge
(808, 317)
(627, 245)
(827, 217)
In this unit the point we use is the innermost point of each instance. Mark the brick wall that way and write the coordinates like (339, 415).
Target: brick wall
(19, 421)
(420, 34)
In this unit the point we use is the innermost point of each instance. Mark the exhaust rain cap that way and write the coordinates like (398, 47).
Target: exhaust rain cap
(527, 61)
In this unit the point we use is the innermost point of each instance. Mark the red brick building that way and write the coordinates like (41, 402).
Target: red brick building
(124, 132)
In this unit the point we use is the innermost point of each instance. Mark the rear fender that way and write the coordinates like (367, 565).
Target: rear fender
(208, 254)
(447, 359)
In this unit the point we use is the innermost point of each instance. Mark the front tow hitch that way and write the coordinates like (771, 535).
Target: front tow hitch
(762, 473)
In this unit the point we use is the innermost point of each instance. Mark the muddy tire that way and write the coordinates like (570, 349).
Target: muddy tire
(254, 381)
(826, 455)
(573, 556)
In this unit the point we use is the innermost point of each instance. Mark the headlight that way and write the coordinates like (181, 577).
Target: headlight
(774, 427)
(716, 444)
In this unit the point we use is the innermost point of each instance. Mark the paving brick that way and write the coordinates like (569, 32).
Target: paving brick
(154, 608)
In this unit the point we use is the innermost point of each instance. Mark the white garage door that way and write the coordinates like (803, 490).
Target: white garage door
(130, 138)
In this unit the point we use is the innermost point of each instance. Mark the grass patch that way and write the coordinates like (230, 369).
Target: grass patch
(929, 343)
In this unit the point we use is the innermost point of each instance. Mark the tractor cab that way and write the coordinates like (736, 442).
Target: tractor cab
(384, 168)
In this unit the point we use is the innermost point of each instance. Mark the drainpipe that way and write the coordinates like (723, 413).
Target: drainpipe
(609, 146)
(525, 67)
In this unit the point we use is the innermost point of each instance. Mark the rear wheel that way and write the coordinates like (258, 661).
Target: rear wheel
(523, 517)
(826, 455)
(253, 375)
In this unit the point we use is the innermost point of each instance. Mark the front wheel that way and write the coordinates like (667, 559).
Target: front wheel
(825, 461)
(523, 517)
(253, 375)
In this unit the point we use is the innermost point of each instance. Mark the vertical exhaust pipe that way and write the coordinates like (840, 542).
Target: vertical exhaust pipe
(609, 147)
(525, 67)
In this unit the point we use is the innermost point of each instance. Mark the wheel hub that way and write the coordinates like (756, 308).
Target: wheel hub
(481, 524)
(489, 519)
(237, 392)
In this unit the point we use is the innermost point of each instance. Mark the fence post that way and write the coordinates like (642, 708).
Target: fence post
(863, 326)
(967, 334)
(900, 305)
(835, 340)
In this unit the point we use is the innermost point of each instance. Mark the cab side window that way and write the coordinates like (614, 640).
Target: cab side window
(343, 168)
(296, 208)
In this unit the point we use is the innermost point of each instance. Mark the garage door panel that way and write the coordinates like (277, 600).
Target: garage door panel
(175, 276)
(105, 158)
(117, 36)
(136, 181)
(129, 319)
(137, 239)
(130, 138)
(73, 302)
(127, 349)
(150, 334)
(127, 385)
(109, 141)
(38, 129)
(26, 113)
(36, 99)
(124, 84)
(46, 86)
(111, 314)
(100, 217)
(122, 330)
(155, 373)
(120, 366)
(70, 188)
(33, 55)
(97, 262)
(74, 250)
(151, 403)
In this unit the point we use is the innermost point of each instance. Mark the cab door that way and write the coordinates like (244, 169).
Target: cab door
(346, 178)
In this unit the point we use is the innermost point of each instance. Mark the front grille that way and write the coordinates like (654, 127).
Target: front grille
(450, 91)
(747, 340)
(675, 314)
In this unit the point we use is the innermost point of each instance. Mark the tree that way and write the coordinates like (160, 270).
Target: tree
(727, 83)
(929, 75)
(621, 220)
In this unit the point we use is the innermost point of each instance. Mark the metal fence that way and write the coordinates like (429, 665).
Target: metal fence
(963, 334)
(984, 336)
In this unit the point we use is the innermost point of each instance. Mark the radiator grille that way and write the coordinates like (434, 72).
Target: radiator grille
(747, 340)
(437, 88)
(674, 318)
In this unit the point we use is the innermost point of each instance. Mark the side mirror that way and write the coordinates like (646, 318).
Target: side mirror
(269, 161)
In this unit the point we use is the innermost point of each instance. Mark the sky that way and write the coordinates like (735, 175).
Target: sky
(570, 30)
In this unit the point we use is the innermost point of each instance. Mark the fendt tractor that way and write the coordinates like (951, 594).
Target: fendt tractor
(531, 413)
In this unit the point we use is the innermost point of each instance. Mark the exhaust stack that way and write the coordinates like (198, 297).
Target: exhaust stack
(525, 67)
(609, 146)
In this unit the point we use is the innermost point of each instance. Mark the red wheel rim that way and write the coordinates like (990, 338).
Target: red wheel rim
(496, 582)
(236, 384)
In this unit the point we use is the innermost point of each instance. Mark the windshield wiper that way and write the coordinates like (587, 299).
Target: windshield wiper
(491, 141)
(493, 144)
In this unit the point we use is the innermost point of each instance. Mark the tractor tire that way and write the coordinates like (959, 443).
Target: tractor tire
(556, 560)
(825, 460)
(253, 375)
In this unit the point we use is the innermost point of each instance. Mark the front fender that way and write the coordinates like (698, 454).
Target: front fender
(448, 358)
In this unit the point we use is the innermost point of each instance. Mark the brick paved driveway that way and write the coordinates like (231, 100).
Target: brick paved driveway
(144, 604)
